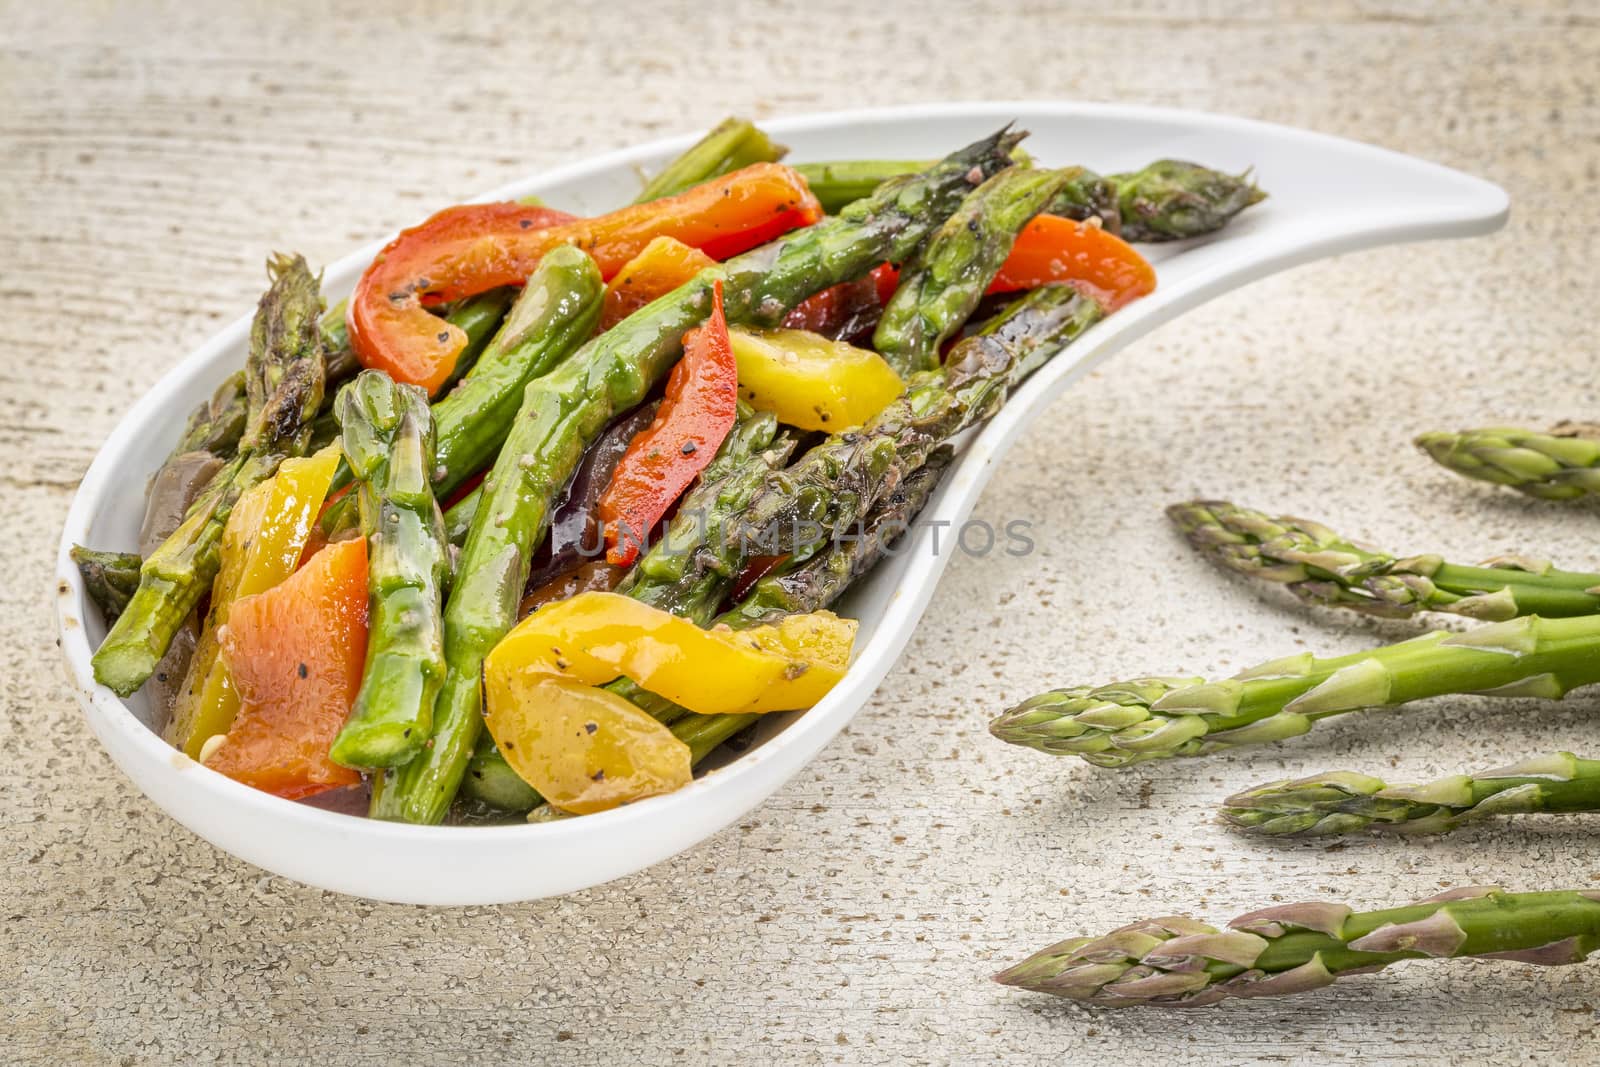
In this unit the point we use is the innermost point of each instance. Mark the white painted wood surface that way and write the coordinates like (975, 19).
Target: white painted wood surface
(152, 154)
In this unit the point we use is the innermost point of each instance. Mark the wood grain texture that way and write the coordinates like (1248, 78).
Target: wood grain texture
(152, 154)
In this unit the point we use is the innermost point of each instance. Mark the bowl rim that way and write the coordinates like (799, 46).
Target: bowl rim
(106, 712)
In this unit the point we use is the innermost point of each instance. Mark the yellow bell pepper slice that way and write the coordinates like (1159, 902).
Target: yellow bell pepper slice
(261, 546)
(809, 381)
(595, 637)
(585, 749)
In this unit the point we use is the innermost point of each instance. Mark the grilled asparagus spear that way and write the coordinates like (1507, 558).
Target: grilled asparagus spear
(733, 143)
(943, 283)
(838, 482)
(388, 441)
(1170, 200)
(283, 385)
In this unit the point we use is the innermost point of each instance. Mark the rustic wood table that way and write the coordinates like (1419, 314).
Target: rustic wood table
(153, 154)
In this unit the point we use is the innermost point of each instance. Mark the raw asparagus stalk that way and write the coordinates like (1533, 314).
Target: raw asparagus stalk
(283, 386)
(1323, 568)
(1347, 802)
(110, 578)
(388, 441)
(1563, 464)
(562, 412)
(1159, 718)
(943, 283)
(732, 144)
(1296, 948)
(799, 509)
(810, 587)
(1170, 200)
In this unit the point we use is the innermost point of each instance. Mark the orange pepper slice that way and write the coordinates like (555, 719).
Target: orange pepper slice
(466, 250)
(296, 653)
(1053, 249)
(665, 264)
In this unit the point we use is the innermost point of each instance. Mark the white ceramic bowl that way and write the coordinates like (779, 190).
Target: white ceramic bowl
(1327, 196)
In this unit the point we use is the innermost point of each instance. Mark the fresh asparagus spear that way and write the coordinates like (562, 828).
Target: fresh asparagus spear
(799, 509)
(1296, 948)
(1323, 568)
(1170, 200)
(1563, 464)
(110, 578)
(1345, 802)
(283, 386)
(563, 411)
(388, 441)
(947, 277)
(732, 144)
(1158, 718)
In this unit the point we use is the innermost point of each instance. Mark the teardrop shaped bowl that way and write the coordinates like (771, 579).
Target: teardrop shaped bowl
(1328, 196)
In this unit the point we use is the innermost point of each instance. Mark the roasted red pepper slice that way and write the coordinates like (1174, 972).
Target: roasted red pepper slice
(1054, 249)
(456, 253)
(296, 653)
(844, 311)
(695, 415)
(756, 569)
(465, 250)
